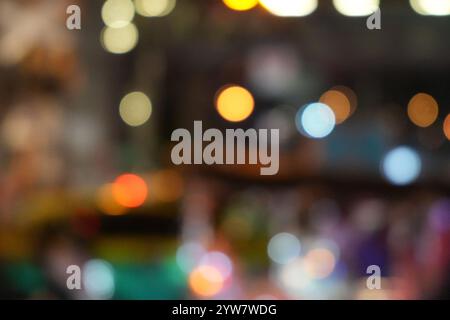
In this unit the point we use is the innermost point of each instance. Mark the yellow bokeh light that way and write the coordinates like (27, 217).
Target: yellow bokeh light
(135, 109)
(241, 5)
(120, 40)
(290, 8)
(235, 103)
(356, 8)
(339, 103)
(447, 126)
(205, 281)
(423, 110)
(431, 7)
(117, 13)
(106, 203)
(154, 8)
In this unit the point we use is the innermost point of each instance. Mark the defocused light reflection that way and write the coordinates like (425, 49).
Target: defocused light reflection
(98, 279)
(431, 7)
(135, 109)
(106, 203)
(117, 13)
(206, 281)
(402, 166)
(283, 248)
(130, 190)
(315, 120)
(234, 103)
(290, 8)
(120, 40)
(241, 5)
(356, 8)
(423, 110)
(154, 8)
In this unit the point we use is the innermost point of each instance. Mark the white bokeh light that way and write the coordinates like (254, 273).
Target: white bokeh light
(431, 7)
(117, 13)
(290, 8)
(401, 166)
(356, 8)
(283, 248)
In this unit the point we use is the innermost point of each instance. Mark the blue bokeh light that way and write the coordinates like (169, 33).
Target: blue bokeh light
(402, 166)
(315, 120)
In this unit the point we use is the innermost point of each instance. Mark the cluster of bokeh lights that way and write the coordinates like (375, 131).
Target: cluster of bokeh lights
(120, 34)
(350, 8)
(302, 271)
(208, 272)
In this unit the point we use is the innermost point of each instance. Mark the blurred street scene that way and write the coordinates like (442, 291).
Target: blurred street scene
(86, 175)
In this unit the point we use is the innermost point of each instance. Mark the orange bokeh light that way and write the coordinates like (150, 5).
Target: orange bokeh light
(339, 103)
(235, 103)
(423, 110)
(205, 281)
(447, 126)
(130, 190)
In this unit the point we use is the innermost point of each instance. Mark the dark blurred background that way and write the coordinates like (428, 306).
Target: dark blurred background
(86, 176)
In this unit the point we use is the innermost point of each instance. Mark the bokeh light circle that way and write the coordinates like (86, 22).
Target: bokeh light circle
(135, 109)
(402, 165)
(315, 120)
(117, 13)
(339, 102)
(319, 263)
(290, 8)
(120, 40)
(205, 281)
(241, 5)
(154, 8)
(423, 110)
(130, 190)
(220, 261)
(234, 103)
(356, 8)
(283, 248)
(447, 126)
(98, 279)
(431, 7)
